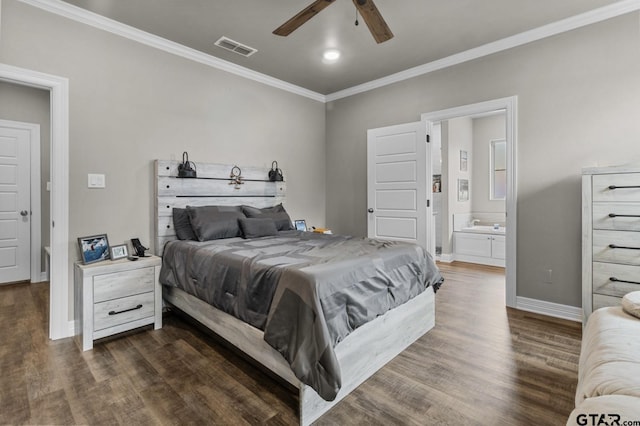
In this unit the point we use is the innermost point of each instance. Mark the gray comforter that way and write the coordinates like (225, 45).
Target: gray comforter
(306, 291)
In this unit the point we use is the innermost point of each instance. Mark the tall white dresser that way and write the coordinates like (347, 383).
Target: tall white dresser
(610, 235)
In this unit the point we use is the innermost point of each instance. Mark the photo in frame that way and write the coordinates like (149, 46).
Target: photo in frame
(463, 189)
(300, 225)
(94, 248)
(119, 252)
(463, 161)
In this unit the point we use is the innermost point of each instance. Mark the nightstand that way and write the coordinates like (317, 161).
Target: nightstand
(116, 296)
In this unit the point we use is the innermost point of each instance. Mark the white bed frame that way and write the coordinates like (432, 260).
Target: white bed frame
(360, 354)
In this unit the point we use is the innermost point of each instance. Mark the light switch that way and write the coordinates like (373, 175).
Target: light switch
(96, 180)
(48, 186)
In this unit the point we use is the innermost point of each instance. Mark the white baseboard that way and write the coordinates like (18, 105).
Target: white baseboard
(551, 309)
(444, 257)
(71, 329)
(479, 260)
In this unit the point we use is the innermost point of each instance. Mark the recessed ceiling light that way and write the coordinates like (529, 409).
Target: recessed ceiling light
(331, 55)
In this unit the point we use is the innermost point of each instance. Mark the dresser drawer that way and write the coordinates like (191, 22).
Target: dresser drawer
(622, 251)
(626, 278)
(602, 183)
(120, 311)
(121, 284)
(601, 301)
(616, 216)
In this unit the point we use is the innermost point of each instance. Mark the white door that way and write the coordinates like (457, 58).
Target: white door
(397, 170)
(15, 209)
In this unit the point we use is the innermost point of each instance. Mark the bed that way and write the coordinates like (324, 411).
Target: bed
(320, 311)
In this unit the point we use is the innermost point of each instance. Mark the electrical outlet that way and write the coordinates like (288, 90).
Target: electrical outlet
(547, 276)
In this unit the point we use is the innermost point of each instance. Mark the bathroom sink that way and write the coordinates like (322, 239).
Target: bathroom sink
(484, 229)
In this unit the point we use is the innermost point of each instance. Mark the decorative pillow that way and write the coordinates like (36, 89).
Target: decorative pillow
(277, 213)
(182, 225)
(254, 228)
(215, 222)
(631, 303)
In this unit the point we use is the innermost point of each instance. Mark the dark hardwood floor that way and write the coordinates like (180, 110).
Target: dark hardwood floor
(482, 364)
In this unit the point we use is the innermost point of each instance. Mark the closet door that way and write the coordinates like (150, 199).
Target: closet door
(397, 195)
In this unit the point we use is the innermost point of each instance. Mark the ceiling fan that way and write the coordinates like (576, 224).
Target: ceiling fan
(368, 10)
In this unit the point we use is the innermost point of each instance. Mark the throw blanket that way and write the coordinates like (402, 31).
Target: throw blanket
(307, 291)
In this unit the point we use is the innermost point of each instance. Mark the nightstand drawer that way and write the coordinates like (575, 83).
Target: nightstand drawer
(120, 311)
(627, 187)
(121, 284)
(616, 247)
(616, 216)
(612, 279)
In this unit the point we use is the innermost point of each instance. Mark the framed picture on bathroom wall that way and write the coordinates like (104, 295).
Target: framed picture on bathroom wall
(463, 161)
(463, 189)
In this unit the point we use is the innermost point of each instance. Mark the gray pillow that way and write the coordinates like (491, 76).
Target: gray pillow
(277, 213)
(182, 224)
(254, 228)
(215, 222)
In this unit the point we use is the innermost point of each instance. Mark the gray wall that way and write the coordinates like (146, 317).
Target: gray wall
(30, 105)
(578, 105)
(131, 104)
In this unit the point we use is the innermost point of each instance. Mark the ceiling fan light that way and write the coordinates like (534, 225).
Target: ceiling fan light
(331, 55)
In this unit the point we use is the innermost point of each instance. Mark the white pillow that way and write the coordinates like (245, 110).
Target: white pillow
(631, 303)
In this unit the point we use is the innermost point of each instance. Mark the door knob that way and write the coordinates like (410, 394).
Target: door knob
(24, 213)
(370, 210)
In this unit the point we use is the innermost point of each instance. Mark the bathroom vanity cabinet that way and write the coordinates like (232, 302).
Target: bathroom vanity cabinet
(479, 247)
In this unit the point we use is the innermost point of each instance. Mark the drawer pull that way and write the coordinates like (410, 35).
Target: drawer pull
(613, 246)
(624, 187)
(126, 310)
(623, 281)
(623, 215)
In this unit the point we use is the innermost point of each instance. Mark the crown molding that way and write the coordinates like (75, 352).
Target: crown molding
(84, 16)
(597, 15)
(98, 21)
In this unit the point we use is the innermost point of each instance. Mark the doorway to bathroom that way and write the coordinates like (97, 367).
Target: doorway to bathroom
(469, 162)
(473, 186)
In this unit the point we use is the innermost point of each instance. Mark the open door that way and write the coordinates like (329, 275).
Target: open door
(15, 202)
(397, 196)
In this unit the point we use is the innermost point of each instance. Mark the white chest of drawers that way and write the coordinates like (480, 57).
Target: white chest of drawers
(116, 296)
(611, 236)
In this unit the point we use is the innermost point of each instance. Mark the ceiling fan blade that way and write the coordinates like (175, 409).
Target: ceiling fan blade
(378, 27)
(307, 13)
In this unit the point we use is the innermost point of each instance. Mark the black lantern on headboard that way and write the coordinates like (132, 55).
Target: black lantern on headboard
(186, 169)
(275, 174)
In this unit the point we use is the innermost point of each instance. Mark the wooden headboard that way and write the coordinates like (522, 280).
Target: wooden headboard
(213, 186)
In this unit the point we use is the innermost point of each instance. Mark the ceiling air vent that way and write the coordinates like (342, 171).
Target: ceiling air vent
(234, 46)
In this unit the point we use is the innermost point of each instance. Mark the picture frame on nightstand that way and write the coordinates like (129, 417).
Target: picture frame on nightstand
(94, 248)
(119, 252)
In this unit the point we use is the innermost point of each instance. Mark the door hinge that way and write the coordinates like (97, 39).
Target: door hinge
(428, 139)
(428, 203)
